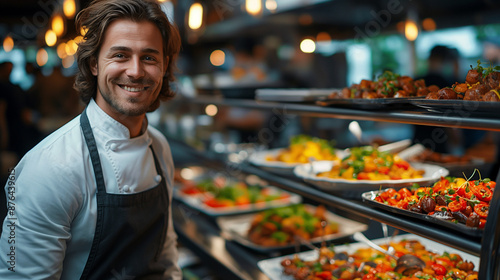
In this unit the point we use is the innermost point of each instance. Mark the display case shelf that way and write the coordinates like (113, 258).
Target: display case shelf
(485, 247)
(414, 116)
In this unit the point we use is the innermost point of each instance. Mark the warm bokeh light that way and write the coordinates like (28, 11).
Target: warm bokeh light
(217, 58)
(8, 44)
(187, 173)
(78, 39)
(50, 38)
(58, 25)
(71, 47)
(61, 50)
(42, 57)
(195, 19)
(323, 36)
(83, 31)
(68, 61)
(69, 8)
(253, 7)
(161, 1)
(307, 46)
(271, 5)
(211, 110)
(411, 30)
(429, 24)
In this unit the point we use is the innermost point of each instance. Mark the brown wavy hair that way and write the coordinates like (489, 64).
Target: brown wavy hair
(98, 16)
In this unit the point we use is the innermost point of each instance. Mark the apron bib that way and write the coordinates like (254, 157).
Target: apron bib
(130, 230)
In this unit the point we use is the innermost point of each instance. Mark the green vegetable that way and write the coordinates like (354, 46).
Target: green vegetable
(280, 236)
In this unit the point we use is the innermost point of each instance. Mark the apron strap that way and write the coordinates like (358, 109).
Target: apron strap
(94, 154)
(157, 163)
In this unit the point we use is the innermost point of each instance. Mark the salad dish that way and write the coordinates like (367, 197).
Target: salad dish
(366, 168)
(221, 195)
(286, 227)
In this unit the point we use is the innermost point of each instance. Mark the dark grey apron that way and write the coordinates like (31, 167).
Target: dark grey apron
(130, 230)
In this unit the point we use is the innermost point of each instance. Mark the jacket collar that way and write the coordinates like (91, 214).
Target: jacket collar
(99, 119)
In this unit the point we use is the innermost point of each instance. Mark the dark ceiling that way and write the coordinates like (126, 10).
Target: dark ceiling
(23, 18)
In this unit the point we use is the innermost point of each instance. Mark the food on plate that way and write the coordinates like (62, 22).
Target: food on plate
(281, 226)
(367, 264)
(220, 192)
(428, 155)
(481, 84)
(455, 199)
(368, 163)
(303, 148)
(388, 85)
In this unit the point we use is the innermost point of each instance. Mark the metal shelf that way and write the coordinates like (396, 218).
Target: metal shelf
(446, 236)
(416, 116)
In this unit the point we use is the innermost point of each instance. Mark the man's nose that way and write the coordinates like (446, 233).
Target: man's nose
(135, 69)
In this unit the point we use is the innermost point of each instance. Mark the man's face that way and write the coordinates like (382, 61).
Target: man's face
(130, 68)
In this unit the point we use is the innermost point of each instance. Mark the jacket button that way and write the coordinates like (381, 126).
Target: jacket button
(113, 146)
(126, 188)
(158, 178)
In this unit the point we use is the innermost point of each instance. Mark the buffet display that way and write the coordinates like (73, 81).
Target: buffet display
(219, 194)
(413, 258)
(415, 186)
(368, 163)
(388, 85)
(457, 203)
(288, 227)
(481, 84)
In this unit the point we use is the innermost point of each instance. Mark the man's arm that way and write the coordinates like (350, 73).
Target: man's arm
(41, 202)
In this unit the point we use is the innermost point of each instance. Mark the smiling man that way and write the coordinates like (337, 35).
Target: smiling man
(93, 199)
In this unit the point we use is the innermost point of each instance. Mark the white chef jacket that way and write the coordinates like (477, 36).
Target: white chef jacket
(49, 233)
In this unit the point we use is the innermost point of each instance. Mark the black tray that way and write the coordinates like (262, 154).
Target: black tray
(475, 232)
(369, 104)
(462, 108)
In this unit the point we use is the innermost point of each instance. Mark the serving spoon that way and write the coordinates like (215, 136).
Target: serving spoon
(407, 264)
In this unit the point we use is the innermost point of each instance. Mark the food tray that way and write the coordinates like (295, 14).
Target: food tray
(291, 95)
(369, 198)
(456, 169)
(284, 168)
(462, 108)
(308, 173)
(273, 269)
(196, 202)
(237, 228)
(370, 104)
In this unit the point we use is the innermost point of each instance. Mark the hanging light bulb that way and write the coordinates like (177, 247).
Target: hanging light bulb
(50, 38)
(8, 44)
(307, 46)
(69, 8)
(411, 30)
(58, 25)
(253, 7)
(195, 18)
(271, 5)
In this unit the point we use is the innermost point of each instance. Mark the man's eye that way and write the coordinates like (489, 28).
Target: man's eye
(149, 58)
(119, 55)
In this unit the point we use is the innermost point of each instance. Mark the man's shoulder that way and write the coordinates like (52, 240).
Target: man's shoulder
(156, 135)
(61, 143)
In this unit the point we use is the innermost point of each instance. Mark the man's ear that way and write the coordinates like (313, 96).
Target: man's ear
(93, 66)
